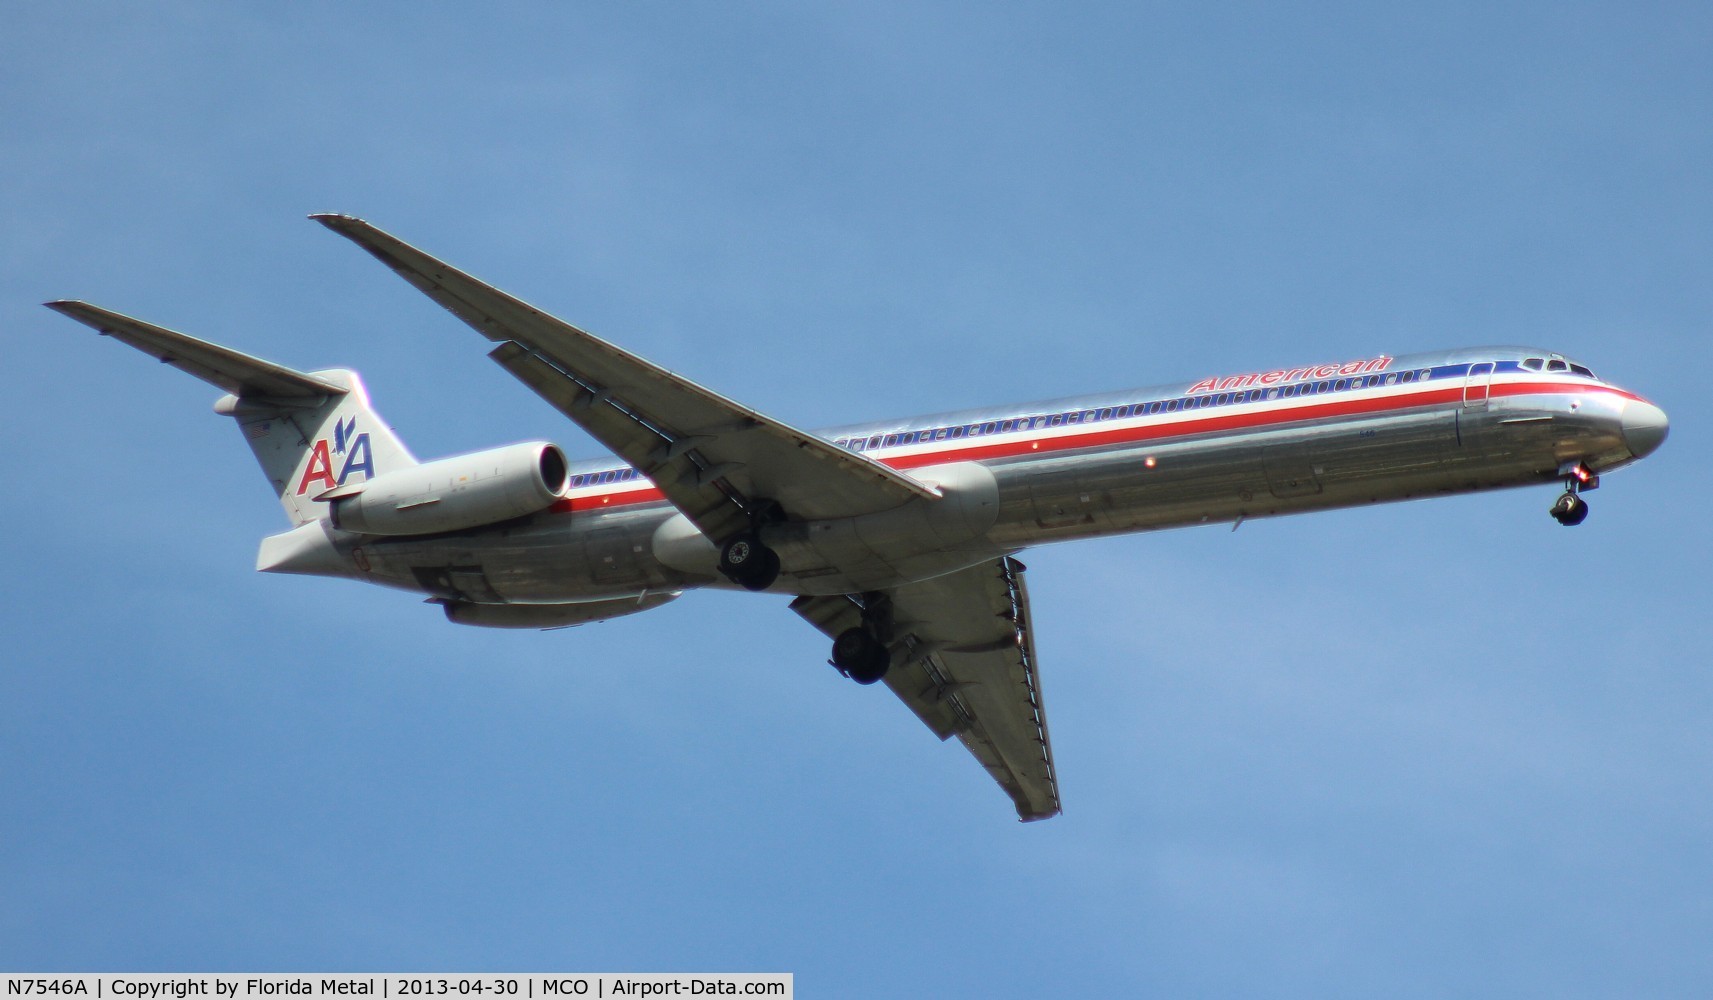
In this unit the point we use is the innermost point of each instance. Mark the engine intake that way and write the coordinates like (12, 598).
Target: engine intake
(451, 494)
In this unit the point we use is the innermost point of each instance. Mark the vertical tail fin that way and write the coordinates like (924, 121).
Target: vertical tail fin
(309, 448)
(313, 433)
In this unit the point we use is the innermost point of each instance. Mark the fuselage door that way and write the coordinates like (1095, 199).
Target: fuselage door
(1291, 471)
(610, 553)
(1061, 500)
(1478, 385)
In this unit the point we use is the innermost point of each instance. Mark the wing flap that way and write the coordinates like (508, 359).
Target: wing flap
(645, 447)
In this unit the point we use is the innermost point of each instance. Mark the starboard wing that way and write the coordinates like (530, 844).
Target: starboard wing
(963, 659)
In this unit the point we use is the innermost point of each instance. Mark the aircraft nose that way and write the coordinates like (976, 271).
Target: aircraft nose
(1644, 427)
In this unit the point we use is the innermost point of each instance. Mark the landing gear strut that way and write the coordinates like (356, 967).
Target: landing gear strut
(1570, 509)
(748, 563)
(860, 655)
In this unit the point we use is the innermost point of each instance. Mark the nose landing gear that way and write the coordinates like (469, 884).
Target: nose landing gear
(1570, 509)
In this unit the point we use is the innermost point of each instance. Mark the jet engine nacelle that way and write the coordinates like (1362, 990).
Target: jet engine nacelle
(451, 494)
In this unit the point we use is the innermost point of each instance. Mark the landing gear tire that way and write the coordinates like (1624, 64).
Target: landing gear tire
(859, 655)
(1570, 510)
(748, 563)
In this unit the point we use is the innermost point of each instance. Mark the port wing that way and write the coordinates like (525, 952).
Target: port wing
(718, 461)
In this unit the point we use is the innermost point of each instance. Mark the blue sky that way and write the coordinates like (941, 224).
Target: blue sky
(1426, 749)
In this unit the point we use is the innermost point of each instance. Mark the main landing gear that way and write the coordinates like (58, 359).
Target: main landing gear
(1570, 509)
(744, 558)
(748, 563)
(860, 655)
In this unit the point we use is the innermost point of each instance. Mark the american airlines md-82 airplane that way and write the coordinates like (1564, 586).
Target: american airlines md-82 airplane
(896, 539)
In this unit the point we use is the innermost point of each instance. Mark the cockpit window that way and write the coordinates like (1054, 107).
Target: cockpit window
(1580, 370)
(1556, 365)
(1532, 364)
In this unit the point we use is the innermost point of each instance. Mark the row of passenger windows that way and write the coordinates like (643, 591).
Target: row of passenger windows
(1201, 401)
(1150, 408)
(605, 478)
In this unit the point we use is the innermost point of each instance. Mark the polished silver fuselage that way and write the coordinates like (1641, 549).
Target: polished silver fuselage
(1220, 450)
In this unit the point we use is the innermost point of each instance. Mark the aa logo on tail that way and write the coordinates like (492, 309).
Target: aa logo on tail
(347, 442)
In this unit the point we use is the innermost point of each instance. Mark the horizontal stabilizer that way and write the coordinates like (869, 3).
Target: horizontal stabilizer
(227, 369)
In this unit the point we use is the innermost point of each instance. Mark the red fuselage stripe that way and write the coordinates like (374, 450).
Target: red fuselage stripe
(1211, 424)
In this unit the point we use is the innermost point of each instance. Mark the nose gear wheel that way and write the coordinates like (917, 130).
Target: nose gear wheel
(1570, 509)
